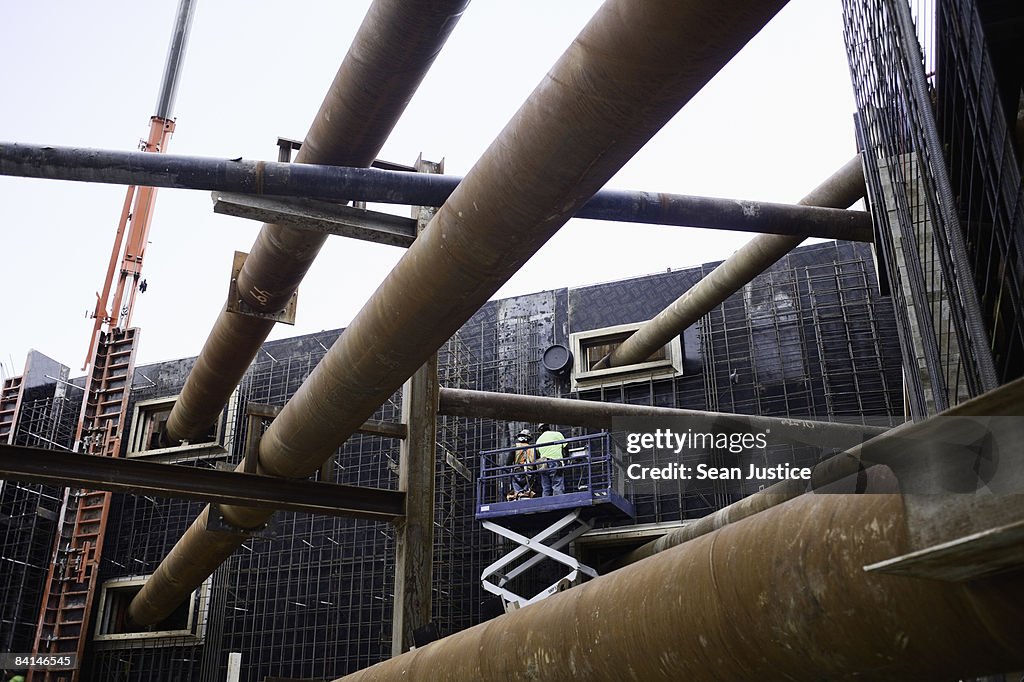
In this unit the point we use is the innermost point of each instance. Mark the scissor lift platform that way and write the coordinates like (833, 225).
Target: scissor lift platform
(543, 527)
(594, 502)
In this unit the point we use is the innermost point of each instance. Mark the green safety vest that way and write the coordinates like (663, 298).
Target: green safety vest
(550, 451)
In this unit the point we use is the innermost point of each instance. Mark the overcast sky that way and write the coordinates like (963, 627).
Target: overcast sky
(773, 124)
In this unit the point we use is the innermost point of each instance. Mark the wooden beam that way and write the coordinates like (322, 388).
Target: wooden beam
(414, 534)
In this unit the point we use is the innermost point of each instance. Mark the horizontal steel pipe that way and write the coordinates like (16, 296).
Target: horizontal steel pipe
(779, 595)
(630, 70)
(338, 183)
(1005, 401)
(389, 56)
(597, 415)
(743, 215)
(840, 190)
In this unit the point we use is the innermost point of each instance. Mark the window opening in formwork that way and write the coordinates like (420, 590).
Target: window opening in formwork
(591, 346)
(188, 620)
(149, 424)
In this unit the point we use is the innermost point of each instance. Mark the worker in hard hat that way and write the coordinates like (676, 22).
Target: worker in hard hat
(524, 458)
(550, 453)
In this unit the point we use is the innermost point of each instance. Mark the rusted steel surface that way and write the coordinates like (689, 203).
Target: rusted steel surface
(224, 359)
(629, 71)
(389, 56)
(780, 596)
(598, 415)
(840, 190)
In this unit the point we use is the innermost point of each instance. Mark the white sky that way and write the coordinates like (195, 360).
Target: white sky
(773, 124)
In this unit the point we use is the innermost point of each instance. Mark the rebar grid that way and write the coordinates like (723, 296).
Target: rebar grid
(945, 190)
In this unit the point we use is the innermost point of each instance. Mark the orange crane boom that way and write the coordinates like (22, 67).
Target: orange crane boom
(71, 579)
(135, 222)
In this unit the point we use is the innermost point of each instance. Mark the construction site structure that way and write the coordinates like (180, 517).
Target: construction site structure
(891, 369)
(326, 584)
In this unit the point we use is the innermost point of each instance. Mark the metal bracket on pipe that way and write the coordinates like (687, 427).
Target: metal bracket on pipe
(962, 479)
(975, 556)
(255, 413)
(237, 305)
(320, 216)
(285, 147)
(215, 522)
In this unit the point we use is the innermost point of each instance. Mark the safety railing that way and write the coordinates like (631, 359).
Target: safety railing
(588, 468)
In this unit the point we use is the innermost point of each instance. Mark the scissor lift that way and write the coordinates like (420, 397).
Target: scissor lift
(543, 527)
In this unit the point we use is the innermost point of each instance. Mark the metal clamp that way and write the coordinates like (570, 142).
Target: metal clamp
(215, 522)
(237, 305)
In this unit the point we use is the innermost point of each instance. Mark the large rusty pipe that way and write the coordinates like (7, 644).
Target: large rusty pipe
(1005, 401)
(629, 71)
(840, 190)
(593, 414)
(389, 56)
(780, 595)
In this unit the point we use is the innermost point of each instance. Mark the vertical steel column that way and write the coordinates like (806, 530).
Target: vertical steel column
(391, 53)
(840, 190)
(629, 71)
(414, 532)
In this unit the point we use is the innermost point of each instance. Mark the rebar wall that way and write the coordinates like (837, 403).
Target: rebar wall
(28, 515)
(140, 531)
(973, 110)
(316, 598)
(943, 178)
